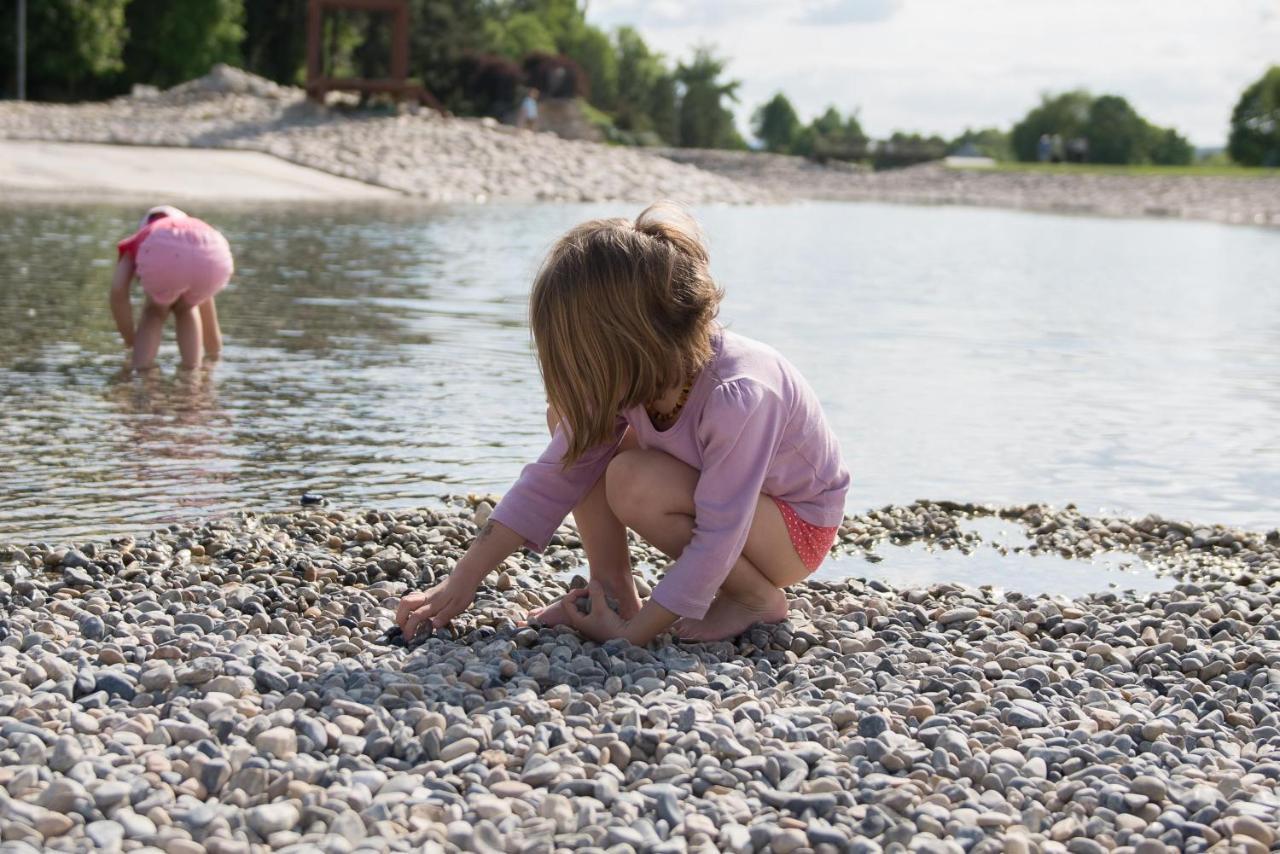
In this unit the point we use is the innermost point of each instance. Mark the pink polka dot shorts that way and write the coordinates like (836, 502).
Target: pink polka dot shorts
(811, 542)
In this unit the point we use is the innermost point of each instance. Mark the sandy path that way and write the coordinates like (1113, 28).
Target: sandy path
(61, 169)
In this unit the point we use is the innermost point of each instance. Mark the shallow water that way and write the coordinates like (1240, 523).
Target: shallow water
(379, 355)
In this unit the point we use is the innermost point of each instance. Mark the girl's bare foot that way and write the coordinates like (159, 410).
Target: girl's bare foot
(728, 618)
(554, 614)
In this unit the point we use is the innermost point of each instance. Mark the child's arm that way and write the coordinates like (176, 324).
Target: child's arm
(121, 308)
(437, 606)
(603, 623)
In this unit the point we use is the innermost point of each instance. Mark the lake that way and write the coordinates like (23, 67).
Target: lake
(379, 355)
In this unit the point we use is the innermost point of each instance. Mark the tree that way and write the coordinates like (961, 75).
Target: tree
(986, 142)
(275, 40)
(75, 48)
(704, 121)
(646, 89)
(832, 136)
(776, 124)
(1064, 115)
(1116, 133)
(1169, 148)
(1255, 122)
(171, 41)
(591, 48)
(519, 35)
(444, 33)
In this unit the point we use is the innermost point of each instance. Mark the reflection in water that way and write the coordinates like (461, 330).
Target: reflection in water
(172, 435)
(379, 355)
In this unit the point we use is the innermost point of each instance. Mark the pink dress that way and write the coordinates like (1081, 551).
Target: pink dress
(750, 426)
(179, 257)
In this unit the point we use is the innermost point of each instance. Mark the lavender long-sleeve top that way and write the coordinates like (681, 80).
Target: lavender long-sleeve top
(750, 425)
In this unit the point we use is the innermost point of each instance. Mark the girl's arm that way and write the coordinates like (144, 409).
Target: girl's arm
(527, 516)
(437, 606)
(121, 308)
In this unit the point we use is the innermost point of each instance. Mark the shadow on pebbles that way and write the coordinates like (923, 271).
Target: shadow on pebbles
(235, 687)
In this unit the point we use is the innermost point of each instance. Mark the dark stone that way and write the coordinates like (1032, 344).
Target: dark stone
(268, 678)
(872, 725)
(116, 685)
(93, 628)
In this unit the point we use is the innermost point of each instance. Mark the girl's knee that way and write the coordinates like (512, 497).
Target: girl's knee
(632, 480)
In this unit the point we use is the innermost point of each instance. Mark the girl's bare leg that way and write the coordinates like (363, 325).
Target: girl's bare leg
(187, 320)
(146, 340)
(652, 493)
(211, 331)
(604, 539)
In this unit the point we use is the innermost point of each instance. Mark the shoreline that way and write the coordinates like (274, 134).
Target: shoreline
(419, 155)
(1229, 200)
(233, 685)
(86, 171)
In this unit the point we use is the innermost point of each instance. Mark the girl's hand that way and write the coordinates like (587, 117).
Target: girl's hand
(603, 623)
(434, 607)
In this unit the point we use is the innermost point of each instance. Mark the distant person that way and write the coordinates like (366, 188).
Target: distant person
(1056, 151)
(1078, 149)
(1044, 148)
(528, 115)
(182, 262)
(709, 445)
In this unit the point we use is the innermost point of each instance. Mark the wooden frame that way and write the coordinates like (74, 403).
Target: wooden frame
(397, 84)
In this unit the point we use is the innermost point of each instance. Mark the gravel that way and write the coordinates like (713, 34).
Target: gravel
(418, 152)
(1253, 200)
(246, 693)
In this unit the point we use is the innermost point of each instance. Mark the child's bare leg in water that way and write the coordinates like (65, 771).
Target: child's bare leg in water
(604, 539)
(186, 318)
(652, 494)
(146, 340)
(210, 330)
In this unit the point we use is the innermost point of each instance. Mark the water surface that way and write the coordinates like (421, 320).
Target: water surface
(379, 355)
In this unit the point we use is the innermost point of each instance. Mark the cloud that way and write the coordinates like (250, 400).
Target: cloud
(664, 14)
(838, 12)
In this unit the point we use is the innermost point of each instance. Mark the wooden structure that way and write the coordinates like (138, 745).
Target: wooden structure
(398, 84)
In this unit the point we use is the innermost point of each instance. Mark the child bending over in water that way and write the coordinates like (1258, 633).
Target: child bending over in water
(707, 444)
(182, 262)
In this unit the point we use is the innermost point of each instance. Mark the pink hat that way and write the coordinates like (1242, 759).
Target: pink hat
(160, 212)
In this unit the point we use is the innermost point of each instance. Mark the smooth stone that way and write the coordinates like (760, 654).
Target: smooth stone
(272, 818)
(279, 742)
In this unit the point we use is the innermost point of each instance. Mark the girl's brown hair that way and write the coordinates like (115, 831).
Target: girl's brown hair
(621, 312)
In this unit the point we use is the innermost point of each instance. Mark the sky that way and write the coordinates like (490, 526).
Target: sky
(939, 66)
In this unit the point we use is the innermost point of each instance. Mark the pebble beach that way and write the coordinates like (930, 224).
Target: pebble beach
(238, 686)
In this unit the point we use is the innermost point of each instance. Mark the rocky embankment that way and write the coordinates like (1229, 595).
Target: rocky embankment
(425, 155)
(420, 152)
(1234, 200)
(238, 687)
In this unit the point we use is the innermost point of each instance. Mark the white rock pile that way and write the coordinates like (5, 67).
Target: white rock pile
(419, 153)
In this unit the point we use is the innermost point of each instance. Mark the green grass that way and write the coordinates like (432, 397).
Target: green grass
(1207, 170)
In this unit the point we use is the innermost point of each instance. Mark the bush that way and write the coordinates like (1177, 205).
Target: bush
(491, 84)
(1255, 123)
(556, 76)
(1065, 115)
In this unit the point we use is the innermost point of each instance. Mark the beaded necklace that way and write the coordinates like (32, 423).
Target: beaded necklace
(669, 418)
